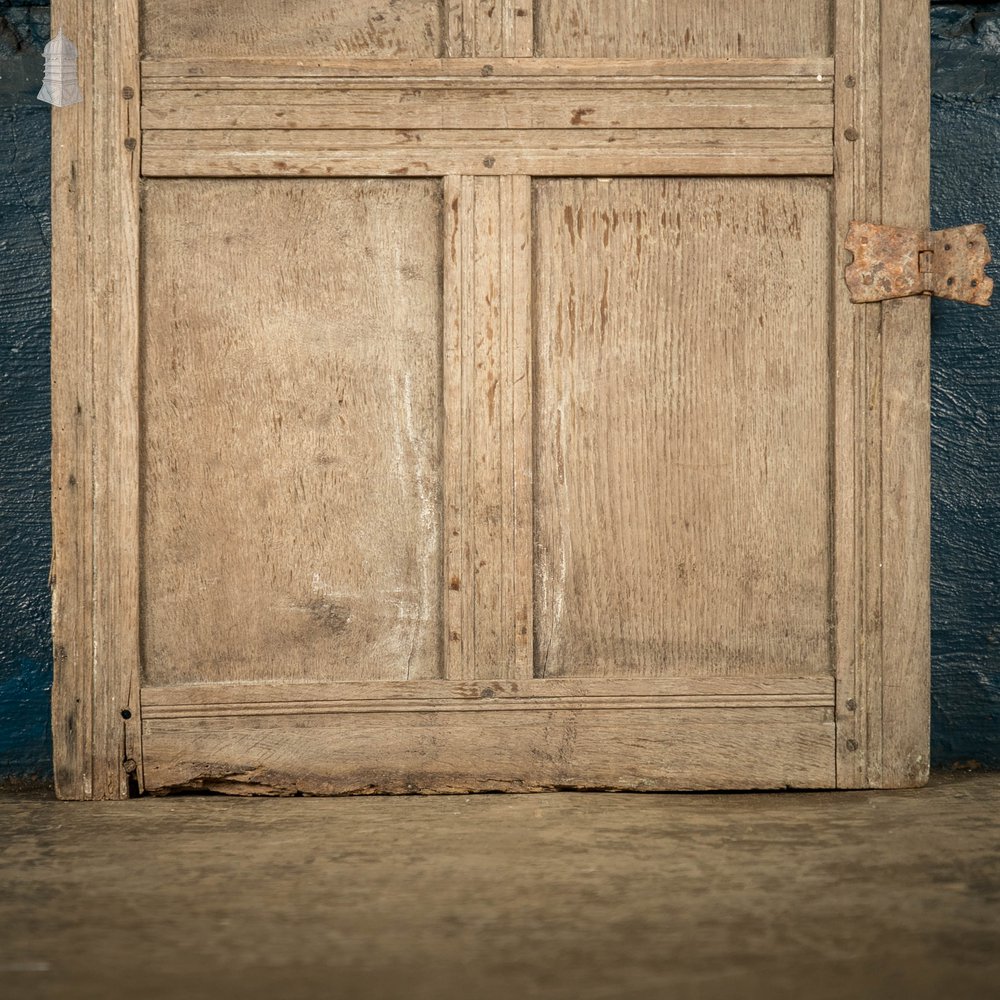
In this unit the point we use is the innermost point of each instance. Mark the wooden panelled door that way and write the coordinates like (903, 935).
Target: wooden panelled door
(464, 394)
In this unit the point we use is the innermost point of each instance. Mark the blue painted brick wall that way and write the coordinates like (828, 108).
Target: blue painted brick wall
(965, 377)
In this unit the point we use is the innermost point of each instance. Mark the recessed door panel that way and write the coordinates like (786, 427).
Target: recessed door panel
(291, 430)
(194, 29)
(646, 29)
(682, 427)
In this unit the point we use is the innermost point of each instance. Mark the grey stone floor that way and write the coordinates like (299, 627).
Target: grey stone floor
(576, 896)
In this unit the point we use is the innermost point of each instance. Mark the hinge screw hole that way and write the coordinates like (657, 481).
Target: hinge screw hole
(126, 714)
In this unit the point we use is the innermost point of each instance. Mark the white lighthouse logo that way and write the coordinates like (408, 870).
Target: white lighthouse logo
(60, 86)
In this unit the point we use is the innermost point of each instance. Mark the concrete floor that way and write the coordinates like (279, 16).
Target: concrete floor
(576, 896)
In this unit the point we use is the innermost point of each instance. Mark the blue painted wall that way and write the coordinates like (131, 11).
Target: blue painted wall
(965, 378)
(965, 374)
(25, 235)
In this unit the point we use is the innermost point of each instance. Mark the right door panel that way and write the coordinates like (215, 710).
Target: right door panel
(682, 436)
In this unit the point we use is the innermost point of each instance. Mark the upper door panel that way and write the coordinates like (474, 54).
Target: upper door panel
(679, 29)
(602, 29)
(318, 28)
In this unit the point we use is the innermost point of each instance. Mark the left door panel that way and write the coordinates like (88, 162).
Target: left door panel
(290, 420)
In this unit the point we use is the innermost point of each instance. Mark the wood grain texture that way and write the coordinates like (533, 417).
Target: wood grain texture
(566, 693)
(95, 429)
(681, 427)
(488, 427)
(503, 751)
(72, 447)
(484, 152)
(476, 103)
(291, 430)
(682, 28)
(186, 74)
(448, 486)
(202, 28)
(882, 401)
(483, 28)
(905, 411)
(858, 156)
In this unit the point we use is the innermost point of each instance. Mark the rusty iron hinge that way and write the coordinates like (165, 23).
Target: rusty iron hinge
(892, 263)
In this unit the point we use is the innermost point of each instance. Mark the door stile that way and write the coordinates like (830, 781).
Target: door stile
(518, 447)
(487, 449)
(490, 28)
(905, 416)
(95, 376)
(518, 27)
(879, 534)
(857, 142)
(72, 576)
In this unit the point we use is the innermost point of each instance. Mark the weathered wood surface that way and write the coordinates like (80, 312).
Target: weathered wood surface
(203, 28)
(881, 513)
(526, 750)
(485, 152)
(487, 406)
(905, 412)
(95, 343)
(469, 103)
(682, 425)
(622, 29)
(488, 481)
(241, 73)
(691, 897)
(291, 430)
(248, 698)
(596, 28)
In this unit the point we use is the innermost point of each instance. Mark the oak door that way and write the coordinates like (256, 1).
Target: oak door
(453, 395)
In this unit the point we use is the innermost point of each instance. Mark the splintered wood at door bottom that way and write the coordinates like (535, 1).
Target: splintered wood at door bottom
(515, 750)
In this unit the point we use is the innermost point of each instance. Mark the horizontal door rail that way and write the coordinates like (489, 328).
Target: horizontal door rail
(440, 152)
(183, 73)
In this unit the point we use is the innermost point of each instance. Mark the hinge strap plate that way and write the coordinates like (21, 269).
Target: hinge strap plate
(893, 263)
